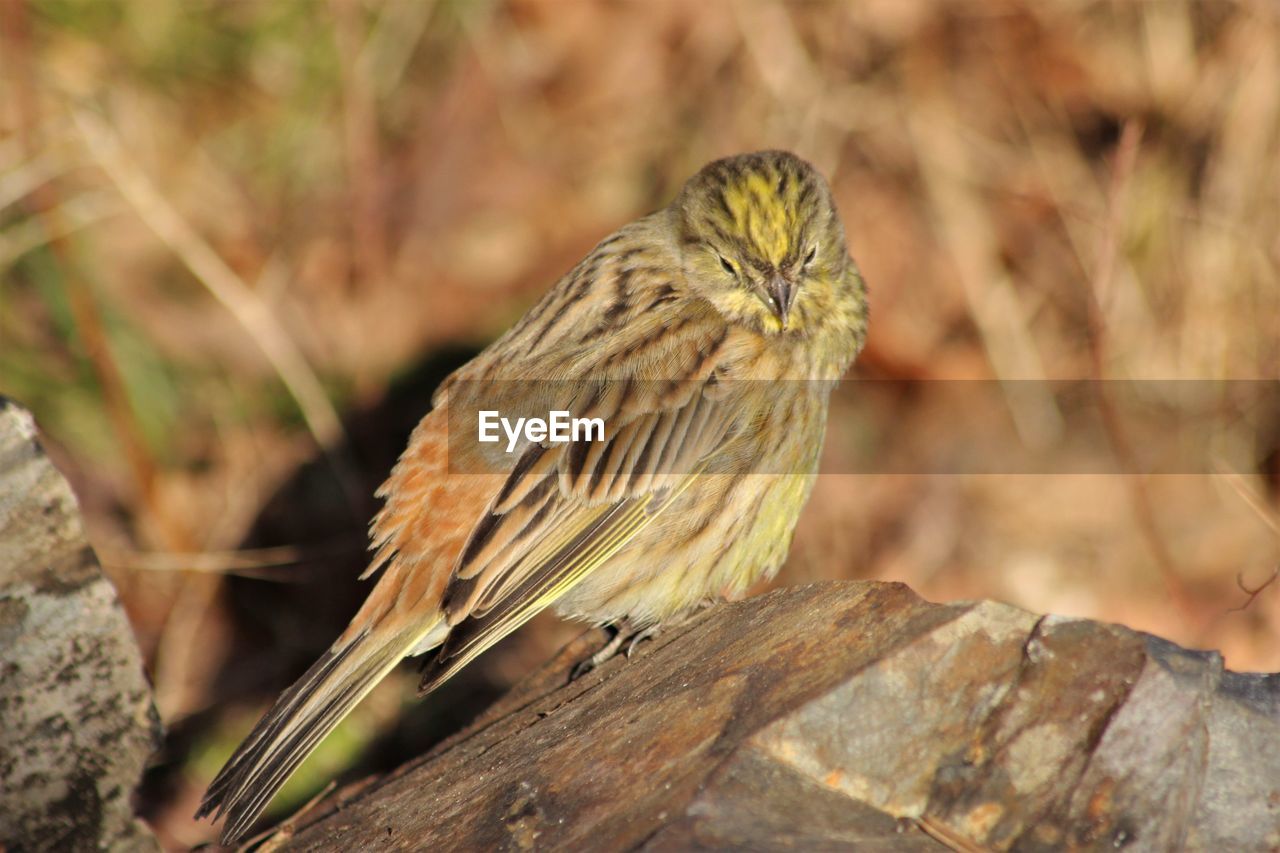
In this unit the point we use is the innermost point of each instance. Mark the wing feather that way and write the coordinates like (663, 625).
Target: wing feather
(566, 509)
(550, 579)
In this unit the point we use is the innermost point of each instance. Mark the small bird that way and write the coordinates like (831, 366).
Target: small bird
(707, 337)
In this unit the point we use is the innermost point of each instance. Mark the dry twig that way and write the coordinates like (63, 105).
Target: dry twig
(1255, 591)
(1144, 512)
(219, 279)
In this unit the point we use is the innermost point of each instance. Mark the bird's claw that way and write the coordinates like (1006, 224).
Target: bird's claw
(620, 638)
(606, 651)
(639, 637)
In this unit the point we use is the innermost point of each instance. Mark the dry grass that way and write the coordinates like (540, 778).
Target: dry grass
(345, 191)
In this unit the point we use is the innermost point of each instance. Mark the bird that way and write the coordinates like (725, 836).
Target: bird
(706, 337)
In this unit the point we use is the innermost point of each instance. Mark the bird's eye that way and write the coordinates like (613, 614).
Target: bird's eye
(728, 267)
(813, 253)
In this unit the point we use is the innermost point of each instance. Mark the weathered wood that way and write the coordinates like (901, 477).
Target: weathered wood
(849, 714)
(76, 720)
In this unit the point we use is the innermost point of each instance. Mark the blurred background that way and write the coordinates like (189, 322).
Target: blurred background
(240, 243)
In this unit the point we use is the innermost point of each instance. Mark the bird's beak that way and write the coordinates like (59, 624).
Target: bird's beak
(781, 294)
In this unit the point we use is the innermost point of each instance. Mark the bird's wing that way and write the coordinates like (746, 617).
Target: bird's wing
(567, 508)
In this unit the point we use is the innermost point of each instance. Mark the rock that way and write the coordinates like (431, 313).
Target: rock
(76, 717)
(845, 715)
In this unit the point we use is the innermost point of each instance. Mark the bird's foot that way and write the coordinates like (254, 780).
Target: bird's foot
(640, 636)
(622, 636)
(606, 651)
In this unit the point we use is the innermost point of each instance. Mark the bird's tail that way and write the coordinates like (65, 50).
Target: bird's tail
(301, 718)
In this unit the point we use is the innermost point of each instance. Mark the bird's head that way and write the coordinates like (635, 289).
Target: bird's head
(762, 242)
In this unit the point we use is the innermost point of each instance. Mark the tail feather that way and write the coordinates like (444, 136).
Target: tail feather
(251, 751)
(301, 718)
